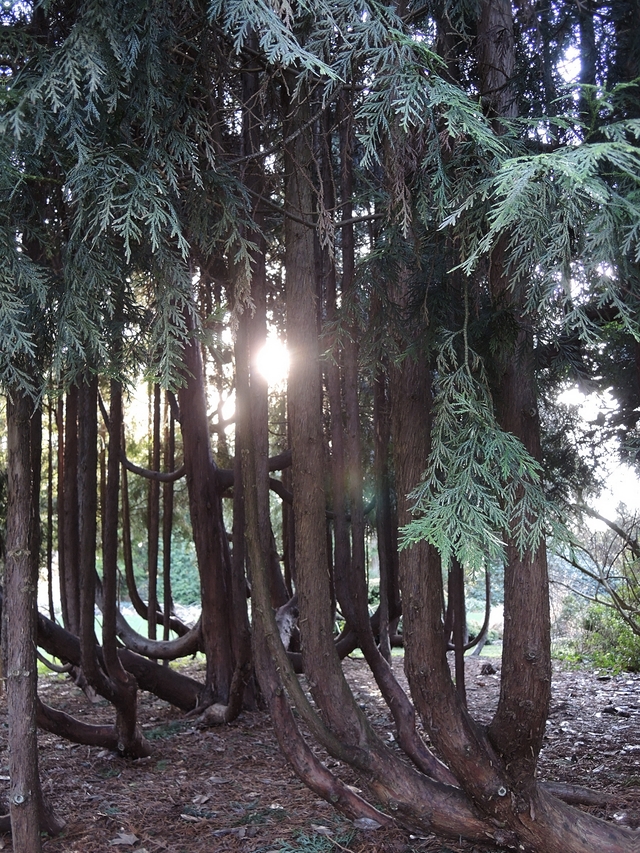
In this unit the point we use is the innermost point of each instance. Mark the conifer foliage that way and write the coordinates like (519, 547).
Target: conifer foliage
(444, 229)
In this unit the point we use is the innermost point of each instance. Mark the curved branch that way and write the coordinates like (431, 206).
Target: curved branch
(188, 644)
(161, 476)
(165, 683)
(225, 476)
(64, 725)
(632, 542)
(54, 667)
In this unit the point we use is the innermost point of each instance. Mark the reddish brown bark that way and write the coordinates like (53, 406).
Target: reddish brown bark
(307, 446)
(27, 809)
(130, 740)
(153, 516)
(167, 684)
(518, 726)
(209, 535)
(167, 521)
(68, 513)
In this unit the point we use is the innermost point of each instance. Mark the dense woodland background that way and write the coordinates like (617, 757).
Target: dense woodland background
(436, 206)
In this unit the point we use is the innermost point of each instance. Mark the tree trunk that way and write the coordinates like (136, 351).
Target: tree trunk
(518, 726)
(68, 515)
(167, 522)
(19, 636)
(153, 515)
(209, 534)
(130, 740)
(386, 524)
(307, 440)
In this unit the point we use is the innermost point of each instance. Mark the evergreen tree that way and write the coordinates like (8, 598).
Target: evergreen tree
(440, 223)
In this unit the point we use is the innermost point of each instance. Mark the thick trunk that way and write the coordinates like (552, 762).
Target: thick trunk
(496, 59)
(518, 726)
(459, 740)
(307, 444)
(393, 781)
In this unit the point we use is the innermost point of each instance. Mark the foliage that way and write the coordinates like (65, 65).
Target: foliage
(608, 642)
(480, 486)
(602, 565)
(541, 202)
(318, 843)
(185, 580)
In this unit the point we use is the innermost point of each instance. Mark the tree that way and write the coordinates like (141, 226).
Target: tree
(431, 248)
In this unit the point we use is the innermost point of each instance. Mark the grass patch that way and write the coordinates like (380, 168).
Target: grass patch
(318, 843)
(168, 730)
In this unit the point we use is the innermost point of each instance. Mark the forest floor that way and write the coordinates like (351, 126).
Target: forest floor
(229, 789)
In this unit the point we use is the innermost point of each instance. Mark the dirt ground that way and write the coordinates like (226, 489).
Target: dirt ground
(229, 789)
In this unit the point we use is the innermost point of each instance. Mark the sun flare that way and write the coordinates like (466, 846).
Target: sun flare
(272, 362)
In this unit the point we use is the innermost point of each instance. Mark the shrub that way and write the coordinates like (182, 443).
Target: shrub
(609, 642)
(185, 580)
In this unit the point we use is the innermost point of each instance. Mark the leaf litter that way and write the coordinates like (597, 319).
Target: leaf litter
(230, 789)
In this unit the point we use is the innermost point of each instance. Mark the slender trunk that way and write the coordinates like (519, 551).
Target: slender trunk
(385, 523)
(153, 511)
(87, 521)
(341, 557)
(19, 632)
(61, 515)
(127, 550)
(167, 521)
(209, 534)
(110, 537)
(50, 512)
(456, 595)
(129, 737)
(69, 579)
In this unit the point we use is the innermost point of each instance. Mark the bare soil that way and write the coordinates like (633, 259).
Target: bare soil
(229, 789)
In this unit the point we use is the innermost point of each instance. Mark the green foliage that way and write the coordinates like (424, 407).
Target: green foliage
(571, 220)
(607, 642)
(167, 730)
(481, 487)
(240, 19)
(318, 843)
(185, 580)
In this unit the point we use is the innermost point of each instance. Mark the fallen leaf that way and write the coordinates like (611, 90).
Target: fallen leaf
(201, 799)
(366, 823)
(126, 839)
